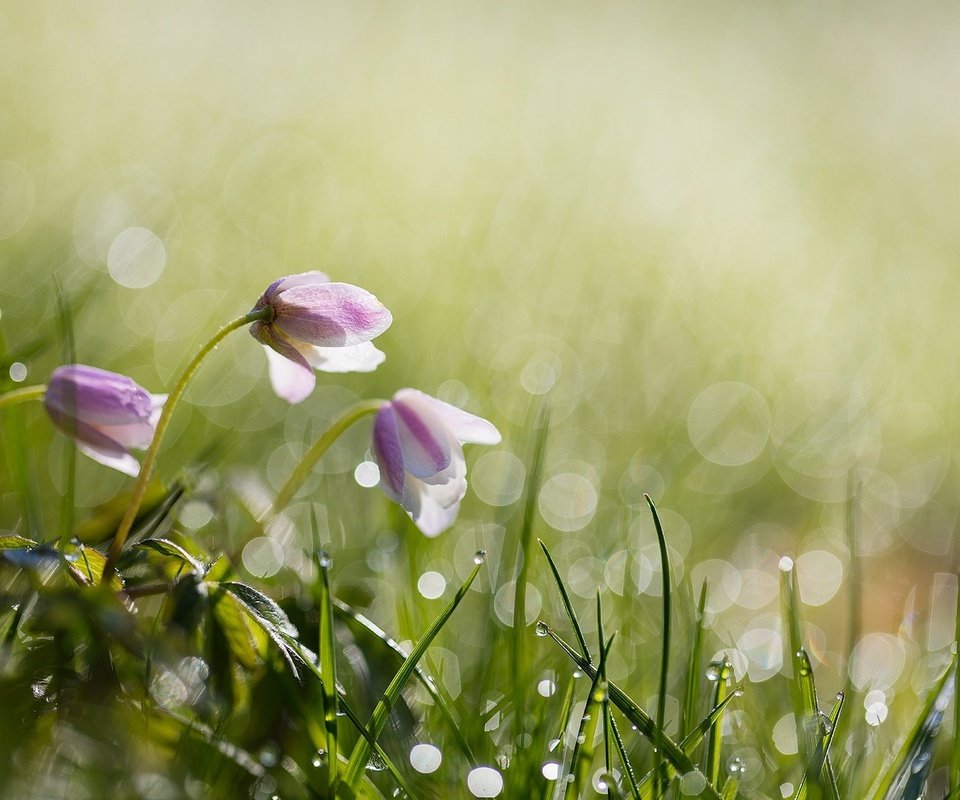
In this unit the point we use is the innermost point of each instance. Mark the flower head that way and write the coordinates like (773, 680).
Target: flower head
(316, 324)
(417, 446)
(105, 413)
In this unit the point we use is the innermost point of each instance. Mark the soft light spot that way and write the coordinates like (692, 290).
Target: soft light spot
(431, 585)
(538, 377)
(503, 603)
(729, 423)
(876, 713)
(819, 574)
(136, 258)
(497, 478)
(546, 688)
(785, 735)
(786, 564)
(367, 474)
(195, 514)
(18, 372)
(262, 557)
(425, 758)
(568, 502)
(693, 783)
(786, 789)
(877, 661)
(550, 770)
(484, 782)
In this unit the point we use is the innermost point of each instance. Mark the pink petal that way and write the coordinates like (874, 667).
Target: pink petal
(136, 436)
(363, 357)
(291, 380)
(465, 426)
(301, 279)
(387, 453)
(423, 439)
(330, 314)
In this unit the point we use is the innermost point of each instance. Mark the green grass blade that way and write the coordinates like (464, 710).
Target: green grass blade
(518, 632)
(567, 605)
(730, 788)
(917, 741)
(68, 501)
(589, 725)
(812, 773)
(624, 758)
(643, 722)
(328, 670)
(665, 636)
(359, 623)
(361, 751)
(723, 670)
(691, 741)
(693, 668)
(955, 752)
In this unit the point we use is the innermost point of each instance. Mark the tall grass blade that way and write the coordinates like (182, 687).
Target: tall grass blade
(359, 624)
(720, 671)
(914, 756)
(518, 633)
(67, 502)
(568, 606)
(565, 717)
(589, 725)
(730, 788)
(665, 635)
(955, 753)
(812, 774)
(643, 722)
(361, 751)
(693, 668)
(328, 669)
(624, 758)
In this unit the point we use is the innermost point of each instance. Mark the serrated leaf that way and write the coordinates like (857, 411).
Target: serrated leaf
(172, 550)
(261, 606)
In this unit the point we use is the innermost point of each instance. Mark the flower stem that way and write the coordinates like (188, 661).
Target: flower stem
(136, 498)
(22, 395)
(327, 438)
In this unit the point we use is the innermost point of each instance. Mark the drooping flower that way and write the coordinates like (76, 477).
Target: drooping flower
(417, 446)
(317, 324)
(107, 414)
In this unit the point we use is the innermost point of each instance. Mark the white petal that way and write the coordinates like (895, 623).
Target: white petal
(363, 357)
(430, 516)
(125, 462)
(302, 279)
(465, 426)
(290, 381)
(156, 406)
(137, 436)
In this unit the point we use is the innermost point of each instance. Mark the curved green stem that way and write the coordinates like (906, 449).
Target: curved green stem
(23, 394)
(327, 438)
(136, 498)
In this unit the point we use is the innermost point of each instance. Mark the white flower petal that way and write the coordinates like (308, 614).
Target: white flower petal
(363, 357)
(124, 462)
(465, 426)
(301, 279)
(289, 380)
(429, 515)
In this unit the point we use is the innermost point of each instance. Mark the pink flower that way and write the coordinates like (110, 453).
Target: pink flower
(417, 446)
(320, 325)
(105, 413)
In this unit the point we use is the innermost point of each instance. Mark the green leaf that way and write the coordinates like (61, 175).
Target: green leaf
(361, 750)
(231, 617)
(587, 733)
(568, 606)
(173, 550)
(693, 668)
(665, 635)
(14, 542)
(328, 670)
(260, 606)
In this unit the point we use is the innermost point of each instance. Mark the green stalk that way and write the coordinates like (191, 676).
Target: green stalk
(136, 498)
(23, 394)
(665, 657)
(315, 453)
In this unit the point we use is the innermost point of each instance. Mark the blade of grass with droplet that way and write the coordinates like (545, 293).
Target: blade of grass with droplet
(589, 725)
(565, 716)
(358, 758)
(605, 708)
(921, 734)
(820, 755)
(711, 758)
(328, 670)
(730, 787)
(665, 636)
(567, 605)
(693, 668)
(691, 741)
(360, 622)
(624, 758)
(643, 722)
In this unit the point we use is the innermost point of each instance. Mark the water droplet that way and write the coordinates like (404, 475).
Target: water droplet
(920, 763)
(375, 763)
(577, 674)
(736, 766)
(320, 758)
(552, 745)
(738, 692)
(713, 670)
(542, 628)
(503, 760)
(480, 556)
(324, 559)
(825, 723)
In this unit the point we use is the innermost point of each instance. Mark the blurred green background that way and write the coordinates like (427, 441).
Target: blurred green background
(720, 239)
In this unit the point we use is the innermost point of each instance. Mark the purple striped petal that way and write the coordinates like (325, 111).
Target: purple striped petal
(330, 314)
(387, 453)
(423, 439)
(97, 396)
